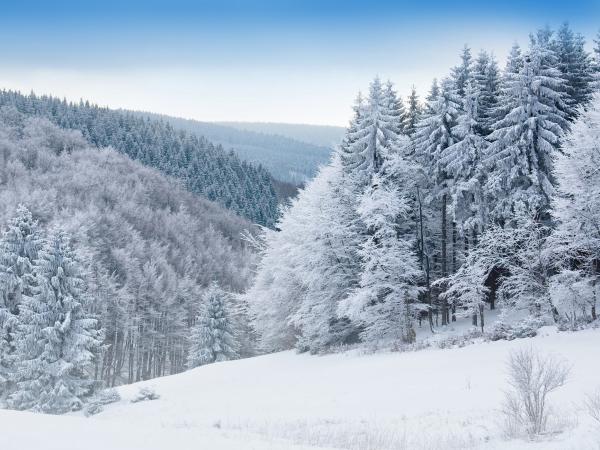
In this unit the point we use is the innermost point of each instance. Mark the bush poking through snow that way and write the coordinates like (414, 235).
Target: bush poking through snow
(145, 394)
(106, 397)
(592, 405)
(532, 376)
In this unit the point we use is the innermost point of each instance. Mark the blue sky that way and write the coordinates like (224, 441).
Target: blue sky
(287, 61)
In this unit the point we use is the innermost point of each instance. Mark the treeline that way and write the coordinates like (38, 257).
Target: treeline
(204, 168)
(105, 260)
(432, 211)
(287, 159)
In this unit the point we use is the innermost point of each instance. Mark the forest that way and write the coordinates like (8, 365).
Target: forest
(483, 197)
(133, 250)
(204, 168)
(103, 261)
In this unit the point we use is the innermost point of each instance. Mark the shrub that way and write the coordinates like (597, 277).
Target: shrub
(95, 405)
(532, 378)
(145, 394)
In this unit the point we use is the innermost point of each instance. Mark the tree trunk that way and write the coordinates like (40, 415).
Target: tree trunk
(444, 256)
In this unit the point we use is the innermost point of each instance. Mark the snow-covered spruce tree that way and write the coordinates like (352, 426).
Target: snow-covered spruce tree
(515, 60)
(462, 162)
(413, 112)
(374, 129)
(527, 137)
(576, 67)
(463, 73)
(19, 247)
(395, 108)
(487, 85)
(212, 336)
(575, 244)
(383, 301)
(56, 340)
(433, 136)
(519, 256)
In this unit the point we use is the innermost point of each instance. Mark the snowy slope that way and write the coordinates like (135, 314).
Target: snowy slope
(434, 399)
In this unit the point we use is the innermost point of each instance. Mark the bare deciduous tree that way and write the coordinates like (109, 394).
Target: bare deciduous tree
(532, 376)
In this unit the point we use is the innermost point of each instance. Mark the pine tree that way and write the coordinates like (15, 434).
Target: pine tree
(515, 61)
(463, 73)
(395, 109)
(597, 52)
(212, 336)
(434, 135)
(432, 96)
(527, 137)
(575, 66)
(57, 339)
(487, 85)
(19, 249)
(462, 162)
(382, 303)
(575, 242)
(413, 113)
(375, 130)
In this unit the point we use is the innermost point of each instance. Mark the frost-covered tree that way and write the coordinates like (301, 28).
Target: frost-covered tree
(413, 112)
(383, 301)
(463, 73)
(374, 129)
(575, 244)
(527, 137)
(597, 51)
(433, 136)
(395, 109)
(212, 336)
(575, 66)
(514, 61)
(487, 84)
(57, 339)
(19, 247)
(462, 162)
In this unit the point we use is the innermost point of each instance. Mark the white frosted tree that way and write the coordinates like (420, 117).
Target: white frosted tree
(382, 303)
(433, 136)
(57, 339)
(462, 162)
(527, 137)
(212, 336)
(575, 243)
(413, 112)
(576, 67)
(19, 249)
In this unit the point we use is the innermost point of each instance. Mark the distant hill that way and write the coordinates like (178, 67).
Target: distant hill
(203, 167)
(321, 135)
(289, 159)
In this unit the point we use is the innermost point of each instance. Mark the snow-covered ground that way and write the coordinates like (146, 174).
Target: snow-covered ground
(433, 399)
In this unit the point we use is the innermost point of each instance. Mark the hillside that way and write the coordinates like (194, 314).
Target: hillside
(287, 152)
(149, 246)
(322, 135)
(381, 401)
(203, 167)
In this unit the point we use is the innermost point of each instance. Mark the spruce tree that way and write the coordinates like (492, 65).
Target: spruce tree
(487, 85)
(575, 66)
(413, 112)
(212, 336)
(462, 162)
(463, 73)
(57, 338)
(19, 249)
(515, 61)
(527, 137)
(395, 108)
(434, 135)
